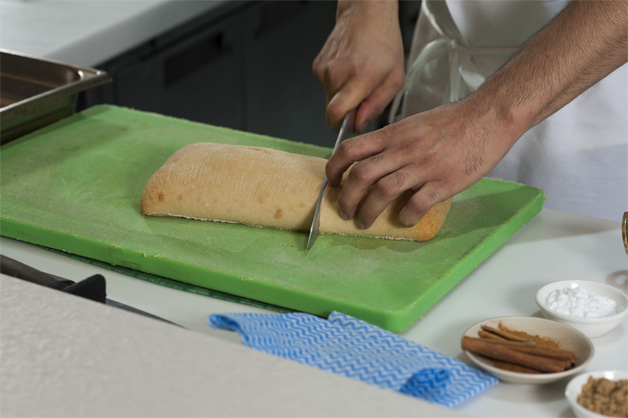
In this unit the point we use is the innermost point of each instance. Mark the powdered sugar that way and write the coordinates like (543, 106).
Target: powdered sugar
(578, 302)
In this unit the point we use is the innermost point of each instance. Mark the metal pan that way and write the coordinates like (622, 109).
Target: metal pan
(35, 92)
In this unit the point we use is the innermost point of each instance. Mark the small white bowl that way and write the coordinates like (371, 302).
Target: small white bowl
(566, 337)
(591, 327)
(575, 387)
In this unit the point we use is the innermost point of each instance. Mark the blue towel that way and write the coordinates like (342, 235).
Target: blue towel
(356, 349)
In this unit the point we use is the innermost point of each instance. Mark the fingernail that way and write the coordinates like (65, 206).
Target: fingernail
(359, 224)
(343, 215)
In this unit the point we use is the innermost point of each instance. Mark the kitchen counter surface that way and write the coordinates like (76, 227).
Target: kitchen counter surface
(91, 32)
(553, 246)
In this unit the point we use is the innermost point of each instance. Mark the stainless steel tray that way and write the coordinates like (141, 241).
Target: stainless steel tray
(35, 92)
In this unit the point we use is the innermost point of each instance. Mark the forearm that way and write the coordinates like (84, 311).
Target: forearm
(579, 47)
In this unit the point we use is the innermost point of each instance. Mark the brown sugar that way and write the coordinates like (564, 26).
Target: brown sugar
(606, 397)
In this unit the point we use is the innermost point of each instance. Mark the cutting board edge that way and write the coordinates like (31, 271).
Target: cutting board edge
(172, 270)
(494, 241)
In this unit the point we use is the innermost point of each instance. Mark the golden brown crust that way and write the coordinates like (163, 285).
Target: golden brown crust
(262, 187)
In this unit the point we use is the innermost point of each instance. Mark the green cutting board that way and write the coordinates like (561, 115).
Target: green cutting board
(75, 186)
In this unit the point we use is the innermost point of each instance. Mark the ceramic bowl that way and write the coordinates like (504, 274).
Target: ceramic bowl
(567, 338)
(575, 387)
(591, 327)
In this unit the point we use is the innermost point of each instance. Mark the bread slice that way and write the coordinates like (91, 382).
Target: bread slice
(263, 187)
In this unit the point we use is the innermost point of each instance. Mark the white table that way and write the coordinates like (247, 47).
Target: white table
(553, 246)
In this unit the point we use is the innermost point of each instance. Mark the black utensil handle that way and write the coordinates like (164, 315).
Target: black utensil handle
(93, 288)
(14, 268)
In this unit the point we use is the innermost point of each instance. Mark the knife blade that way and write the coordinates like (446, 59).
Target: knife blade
(347, 130)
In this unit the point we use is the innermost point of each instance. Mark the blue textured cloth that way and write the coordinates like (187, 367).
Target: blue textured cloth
(356, 349)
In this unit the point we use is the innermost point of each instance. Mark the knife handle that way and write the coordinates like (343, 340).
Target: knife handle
(93, 288)
(14, 268)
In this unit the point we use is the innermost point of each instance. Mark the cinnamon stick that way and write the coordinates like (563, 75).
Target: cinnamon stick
(512, 367)
(500, 352)
(534, 349)
(504, 333)
(515, 335)
(490, 335)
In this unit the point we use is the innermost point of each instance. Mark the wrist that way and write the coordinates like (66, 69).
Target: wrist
(508, 114)
(495, 122)
(372, 6)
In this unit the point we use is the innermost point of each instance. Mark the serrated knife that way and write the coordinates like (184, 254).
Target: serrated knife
(347, 130)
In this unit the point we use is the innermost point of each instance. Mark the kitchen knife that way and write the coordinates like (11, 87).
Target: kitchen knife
(347, 130)
(93, 288)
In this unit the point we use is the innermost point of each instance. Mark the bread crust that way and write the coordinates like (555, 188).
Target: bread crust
(263, 187)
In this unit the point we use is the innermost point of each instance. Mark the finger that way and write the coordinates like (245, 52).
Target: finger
(333, 74)
(324, 60)
(420, 203)
(363, 183)
(348, 97)
(374, 93)
(375, 104)
(317, 66)
(352, 150)
(383, 193)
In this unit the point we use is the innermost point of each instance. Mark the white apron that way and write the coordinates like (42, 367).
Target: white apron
(578, 156)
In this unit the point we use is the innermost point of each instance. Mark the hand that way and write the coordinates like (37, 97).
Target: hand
(361, 61)
(423, 159)
(431, 156)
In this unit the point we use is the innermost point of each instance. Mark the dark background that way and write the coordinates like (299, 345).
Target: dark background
(245, 65)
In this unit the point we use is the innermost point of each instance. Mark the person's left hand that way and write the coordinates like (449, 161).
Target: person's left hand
(426, 158)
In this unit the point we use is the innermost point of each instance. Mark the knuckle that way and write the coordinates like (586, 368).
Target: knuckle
(385, 190)
(401, 180)
(432, 198)
(391, 186)
(361, 174)
(397, 133)
(335, 112)
(346, 204)
(423, 203)
(390, 131)
(377, 158)
(334, 74)
(409, 148)
(347, 151)
(316, 66)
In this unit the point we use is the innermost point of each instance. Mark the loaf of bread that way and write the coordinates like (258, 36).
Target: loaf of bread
(263, 187)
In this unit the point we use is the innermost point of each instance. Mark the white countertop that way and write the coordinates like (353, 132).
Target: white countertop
(64, 356)
(90, 32)
(553, 246)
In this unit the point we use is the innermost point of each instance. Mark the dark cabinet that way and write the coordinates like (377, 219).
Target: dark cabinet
(198, 78)
(283, 98)
(245, 65)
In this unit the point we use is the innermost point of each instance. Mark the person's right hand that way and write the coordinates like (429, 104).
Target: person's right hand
(361, 63)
